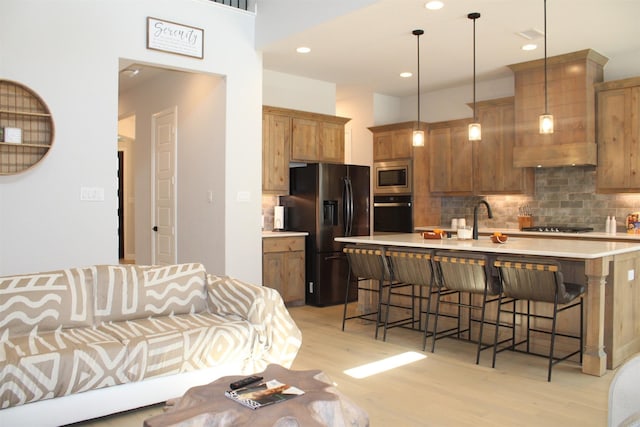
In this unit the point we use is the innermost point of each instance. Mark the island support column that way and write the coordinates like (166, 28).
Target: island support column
(594, 358)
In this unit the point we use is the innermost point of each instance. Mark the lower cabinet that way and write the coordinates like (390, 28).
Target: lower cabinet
(283, 267)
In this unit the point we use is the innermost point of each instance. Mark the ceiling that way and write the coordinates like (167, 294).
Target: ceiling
(369, 47)
(366, 44)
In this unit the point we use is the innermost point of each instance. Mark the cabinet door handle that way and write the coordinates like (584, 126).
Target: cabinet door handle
(155, 228)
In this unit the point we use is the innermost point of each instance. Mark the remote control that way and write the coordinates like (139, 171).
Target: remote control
(244, 382)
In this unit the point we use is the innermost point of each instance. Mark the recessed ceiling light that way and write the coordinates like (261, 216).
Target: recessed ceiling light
(303, 49)
(529, 46)
(434, 5)
(406, 74)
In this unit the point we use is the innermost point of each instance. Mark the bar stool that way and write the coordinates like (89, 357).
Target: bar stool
(414, 266)
(370, 263)
(538, 280)
(465, 272)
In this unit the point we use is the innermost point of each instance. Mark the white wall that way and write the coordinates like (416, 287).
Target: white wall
(358, 106)
(298, 93)
(387, 110)
(281, 18)
(623, 66)
(451, 103)
(69, 56)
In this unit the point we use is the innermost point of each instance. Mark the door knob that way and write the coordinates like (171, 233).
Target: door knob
(155, 228)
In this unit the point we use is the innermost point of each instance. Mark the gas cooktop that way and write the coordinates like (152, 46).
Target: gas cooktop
(558, 229)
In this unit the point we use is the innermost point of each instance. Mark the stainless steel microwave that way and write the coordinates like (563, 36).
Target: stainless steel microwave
(392, 177)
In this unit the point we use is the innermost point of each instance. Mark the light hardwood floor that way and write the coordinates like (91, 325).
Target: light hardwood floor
(445, 389)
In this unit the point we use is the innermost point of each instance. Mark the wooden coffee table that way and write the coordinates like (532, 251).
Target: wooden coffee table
(321, 405)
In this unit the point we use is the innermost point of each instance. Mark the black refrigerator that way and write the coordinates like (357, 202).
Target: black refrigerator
(328, 201)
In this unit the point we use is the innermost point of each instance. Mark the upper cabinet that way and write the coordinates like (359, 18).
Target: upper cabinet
(571, 99)
(394, 141)
(291, 135)
(276, 146)
(618, 136)
(493, 168)
(450, 158)
(317, 137)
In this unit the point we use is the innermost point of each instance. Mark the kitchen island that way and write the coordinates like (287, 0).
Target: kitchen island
(612, 298)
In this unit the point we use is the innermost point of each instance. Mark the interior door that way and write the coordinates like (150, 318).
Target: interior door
(164, 211)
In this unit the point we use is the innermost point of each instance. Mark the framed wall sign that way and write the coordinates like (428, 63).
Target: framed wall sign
(175, 38)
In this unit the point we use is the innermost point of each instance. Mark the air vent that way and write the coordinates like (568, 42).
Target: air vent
(531, 34)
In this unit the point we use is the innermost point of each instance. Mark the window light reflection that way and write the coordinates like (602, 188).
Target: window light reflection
(383, 365)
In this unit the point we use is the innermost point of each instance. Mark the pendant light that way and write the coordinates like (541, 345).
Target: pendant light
(475, 130)
(546, 119)
(418, 134)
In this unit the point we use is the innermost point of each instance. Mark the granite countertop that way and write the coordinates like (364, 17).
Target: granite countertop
(600, 235)
(269, 234)
(562, 248)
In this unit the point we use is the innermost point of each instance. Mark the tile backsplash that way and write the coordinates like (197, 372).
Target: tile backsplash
(563, 196)
(268, 202)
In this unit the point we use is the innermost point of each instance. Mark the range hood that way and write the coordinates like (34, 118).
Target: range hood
(555, 155)
(571, 93)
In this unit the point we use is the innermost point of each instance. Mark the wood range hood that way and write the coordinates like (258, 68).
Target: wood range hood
(571, 98)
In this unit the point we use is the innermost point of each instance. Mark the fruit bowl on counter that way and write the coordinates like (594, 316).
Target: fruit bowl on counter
(435, 234)
(498, 237)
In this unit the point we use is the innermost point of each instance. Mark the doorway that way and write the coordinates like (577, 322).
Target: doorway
(126, 192)
(121, 251)
(198, 185)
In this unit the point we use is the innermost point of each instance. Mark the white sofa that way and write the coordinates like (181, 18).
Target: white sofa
(624, 395)
(80, 343)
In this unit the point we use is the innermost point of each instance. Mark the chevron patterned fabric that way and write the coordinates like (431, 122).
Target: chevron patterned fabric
(74, 330)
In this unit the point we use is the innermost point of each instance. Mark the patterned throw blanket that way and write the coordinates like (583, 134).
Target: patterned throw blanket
(79, 329)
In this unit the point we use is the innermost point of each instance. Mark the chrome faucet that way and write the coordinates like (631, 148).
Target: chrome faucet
(475, 216)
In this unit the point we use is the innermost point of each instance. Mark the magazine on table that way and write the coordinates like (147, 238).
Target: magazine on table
(266, 393)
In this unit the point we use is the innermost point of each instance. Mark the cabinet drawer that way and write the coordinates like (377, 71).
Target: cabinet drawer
(282, 244)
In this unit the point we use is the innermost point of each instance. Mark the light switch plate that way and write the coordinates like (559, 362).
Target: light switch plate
(92, 194)
(243, 196)
(631, 275)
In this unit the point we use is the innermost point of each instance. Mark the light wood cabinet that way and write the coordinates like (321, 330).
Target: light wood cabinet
(450, 158)
(571, 99)
(331, 143)
(314, 137)
(393, 141)
(305, 135)
(618, 136)
(276, 146)
(493, 168)
(283, 267)
(317, 140)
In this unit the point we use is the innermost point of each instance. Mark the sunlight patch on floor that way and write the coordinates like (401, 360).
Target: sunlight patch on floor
(383, 365)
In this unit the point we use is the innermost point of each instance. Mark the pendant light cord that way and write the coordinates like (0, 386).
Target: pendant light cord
(546, 101)
(475, 117)
(474, 16)
(418, 33)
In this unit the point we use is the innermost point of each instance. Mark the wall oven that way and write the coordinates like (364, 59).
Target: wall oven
(393, 177)
(393, 214)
